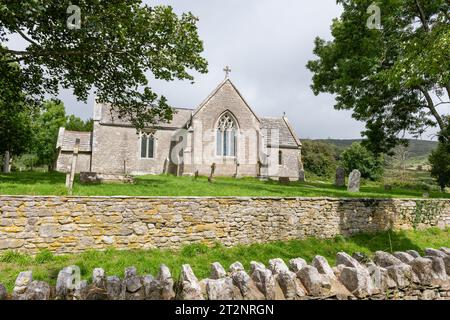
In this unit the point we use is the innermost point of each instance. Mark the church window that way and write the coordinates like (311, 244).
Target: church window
(147, 145)
(280, 157)
(226, 136)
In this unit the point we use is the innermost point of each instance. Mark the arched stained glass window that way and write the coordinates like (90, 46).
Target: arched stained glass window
(226, 136)
(147, 145)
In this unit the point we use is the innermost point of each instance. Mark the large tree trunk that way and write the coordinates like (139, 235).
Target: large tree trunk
(6, 159)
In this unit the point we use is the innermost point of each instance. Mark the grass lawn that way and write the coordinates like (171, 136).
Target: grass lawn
(46, 266)
(42, 183)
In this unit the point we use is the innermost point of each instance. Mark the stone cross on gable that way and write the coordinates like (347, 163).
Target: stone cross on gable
(227, 71)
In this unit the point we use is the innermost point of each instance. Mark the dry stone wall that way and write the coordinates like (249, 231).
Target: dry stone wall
(73, 224)
(401, 275)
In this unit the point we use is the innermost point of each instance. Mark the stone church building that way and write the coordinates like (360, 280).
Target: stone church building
(224, 130)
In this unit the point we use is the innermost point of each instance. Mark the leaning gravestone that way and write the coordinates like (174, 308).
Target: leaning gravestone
(211, 175)
(340, 177)
(301, 175)
(354, 181)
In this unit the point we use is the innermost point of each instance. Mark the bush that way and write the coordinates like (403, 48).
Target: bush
(440, 165)
(358, 157)
(319, 158)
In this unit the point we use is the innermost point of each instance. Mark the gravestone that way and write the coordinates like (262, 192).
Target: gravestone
(284, 180)
(236, 174)
(354, 181)
(211, 175)
(166, 166)
(196, 175)
(340, 177)
(301, 175)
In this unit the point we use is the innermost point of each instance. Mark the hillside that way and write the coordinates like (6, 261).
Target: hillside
(416, 148)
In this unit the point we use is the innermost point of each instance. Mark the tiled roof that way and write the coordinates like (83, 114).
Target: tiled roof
(180, 117)
(286, 135)
(66, 140)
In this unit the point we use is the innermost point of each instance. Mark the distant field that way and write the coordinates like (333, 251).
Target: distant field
(41, 183)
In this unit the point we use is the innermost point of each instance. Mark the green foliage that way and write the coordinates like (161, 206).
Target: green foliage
(15, 114)
(440, 164)
(118, 42)
(425, 212)
(44, 256)
(74, 123)
(147, 261)
(46, 128)
(358, 157)
(387, 77)
(319, 158)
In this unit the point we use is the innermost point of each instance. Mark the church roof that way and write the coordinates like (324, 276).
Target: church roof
(287, 135)
(66, 140)
(179, 119)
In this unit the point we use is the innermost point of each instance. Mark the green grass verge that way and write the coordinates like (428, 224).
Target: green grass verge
(39, 183)
(45, 265)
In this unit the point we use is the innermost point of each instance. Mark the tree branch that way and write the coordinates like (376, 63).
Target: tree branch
(23, 35)
(433, 110)
(422, 17)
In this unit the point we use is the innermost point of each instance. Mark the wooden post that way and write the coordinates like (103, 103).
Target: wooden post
(74, 164)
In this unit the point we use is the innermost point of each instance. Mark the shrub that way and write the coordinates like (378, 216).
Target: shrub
(319, 158)
(358, 157)
(440, 165)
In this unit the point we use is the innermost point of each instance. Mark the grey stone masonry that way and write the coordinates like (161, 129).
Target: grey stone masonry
(386, 279)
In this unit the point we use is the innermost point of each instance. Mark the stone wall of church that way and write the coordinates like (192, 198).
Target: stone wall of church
(289, 163)
(226, 99)
(117, 149)
(64, 162)
(74, 224)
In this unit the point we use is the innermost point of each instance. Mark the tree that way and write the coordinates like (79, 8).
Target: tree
(393, 78)
(440, 159)
(319, 158)
(76, 124)
(15, 121)
(106, 45)
(46, 128)
(440, 165)
(360, 158)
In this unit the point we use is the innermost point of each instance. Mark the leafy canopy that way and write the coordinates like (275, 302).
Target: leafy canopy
(319, 158)
(358, 157)
(395, 78)
(118, 43)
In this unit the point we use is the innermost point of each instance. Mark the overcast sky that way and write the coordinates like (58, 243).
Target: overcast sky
(267, 44)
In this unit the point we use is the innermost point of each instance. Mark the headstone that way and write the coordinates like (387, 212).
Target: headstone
(236, 174)
(196, 174)
(354, 181)
(340, 177)
(179, 166)
(284, 180)
(211, 175)
(166, 166)
(259, 168)
(301, 175)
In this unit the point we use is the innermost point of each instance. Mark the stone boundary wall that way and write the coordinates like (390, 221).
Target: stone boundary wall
(73, 224)
(401, 275)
